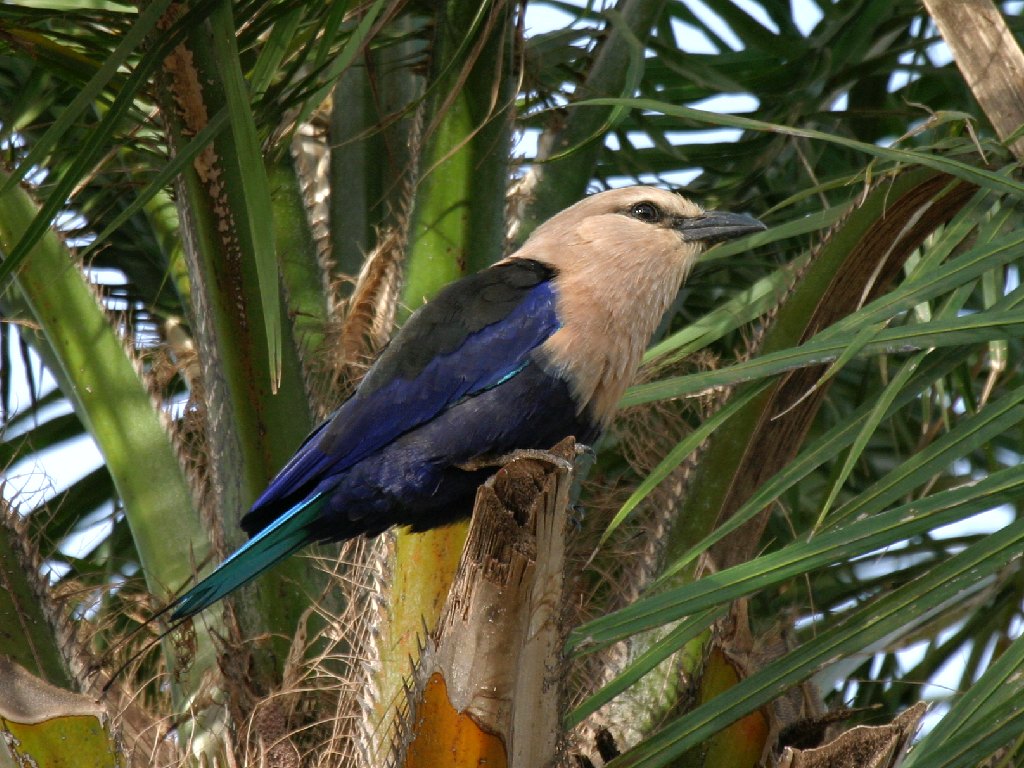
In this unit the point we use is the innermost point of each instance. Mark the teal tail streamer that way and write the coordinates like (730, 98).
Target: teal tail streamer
(274, 543)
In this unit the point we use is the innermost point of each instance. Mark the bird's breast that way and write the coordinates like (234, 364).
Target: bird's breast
(605, 327)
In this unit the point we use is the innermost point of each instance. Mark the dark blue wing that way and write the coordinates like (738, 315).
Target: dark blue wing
(474, 335)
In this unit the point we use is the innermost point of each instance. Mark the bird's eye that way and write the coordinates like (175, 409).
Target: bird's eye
(648, 212)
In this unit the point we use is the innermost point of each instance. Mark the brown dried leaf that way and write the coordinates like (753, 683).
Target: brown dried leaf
(878, 746)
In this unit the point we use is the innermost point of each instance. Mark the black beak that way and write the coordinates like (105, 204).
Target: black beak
(716, 226)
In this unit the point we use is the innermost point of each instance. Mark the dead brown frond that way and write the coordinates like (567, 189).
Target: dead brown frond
(371, 310)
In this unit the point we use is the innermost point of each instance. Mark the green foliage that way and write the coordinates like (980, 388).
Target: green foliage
(870, 338)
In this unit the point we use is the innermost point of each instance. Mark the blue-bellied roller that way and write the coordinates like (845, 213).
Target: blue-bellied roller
(535, 348)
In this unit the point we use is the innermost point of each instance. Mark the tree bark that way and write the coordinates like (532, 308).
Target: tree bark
(490, 684)
(989, 58)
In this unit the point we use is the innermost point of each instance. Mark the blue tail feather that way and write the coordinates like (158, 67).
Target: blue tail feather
(274, 543)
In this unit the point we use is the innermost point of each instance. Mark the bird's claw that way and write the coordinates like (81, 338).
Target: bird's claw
(582, 449)
(537, 454)
(577, 514)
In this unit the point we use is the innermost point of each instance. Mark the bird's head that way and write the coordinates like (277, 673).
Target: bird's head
(619, 258)
(634, 223)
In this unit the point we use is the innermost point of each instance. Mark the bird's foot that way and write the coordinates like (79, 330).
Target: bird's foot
(486, 462)
(577, 514)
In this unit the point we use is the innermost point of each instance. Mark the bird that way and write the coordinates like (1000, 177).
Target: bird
(535, 348)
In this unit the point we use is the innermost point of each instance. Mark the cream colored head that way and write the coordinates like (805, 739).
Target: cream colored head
(606, 218)
(620, 257)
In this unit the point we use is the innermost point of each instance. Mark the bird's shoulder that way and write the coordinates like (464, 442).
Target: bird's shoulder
(460, 310)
